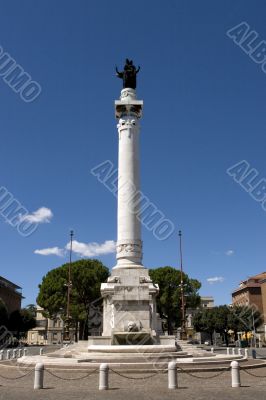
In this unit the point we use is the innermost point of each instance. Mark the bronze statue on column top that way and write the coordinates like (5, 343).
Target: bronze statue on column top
(128, 75)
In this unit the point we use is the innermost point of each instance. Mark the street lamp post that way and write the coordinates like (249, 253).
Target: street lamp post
(69, 286)
(183, 334)
(254, 329)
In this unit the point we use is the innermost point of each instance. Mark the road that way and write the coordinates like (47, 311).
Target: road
(206, 386)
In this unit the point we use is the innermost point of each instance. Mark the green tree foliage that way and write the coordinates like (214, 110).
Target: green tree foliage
(86, 278)
(21, 321)
(223, 318)
(28, 315)
(169, 299)
(32, 309)
(244, 319)
(204, 321)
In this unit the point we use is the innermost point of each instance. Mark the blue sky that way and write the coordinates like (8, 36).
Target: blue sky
(204, 111)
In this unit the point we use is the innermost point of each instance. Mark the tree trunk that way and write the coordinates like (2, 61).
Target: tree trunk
(226, 339)
(211, 337)
(81, 329)
(76, 331)
(169, 326)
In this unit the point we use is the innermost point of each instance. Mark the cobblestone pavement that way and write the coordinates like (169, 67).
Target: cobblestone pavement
(209, 386)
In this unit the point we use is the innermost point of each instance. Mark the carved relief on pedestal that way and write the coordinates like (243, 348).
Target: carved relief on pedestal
(132, 327)
(114, 279)
(145, 279)
(112, 321)
(129, 249)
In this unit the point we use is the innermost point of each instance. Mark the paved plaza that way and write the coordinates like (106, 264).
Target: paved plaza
(195, 385)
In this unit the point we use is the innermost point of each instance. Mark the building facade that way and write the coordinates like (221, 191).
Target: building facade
(10, 294)
(249, 292)
(207, 302)
(47, 331)
(263, 295)
(252, 292)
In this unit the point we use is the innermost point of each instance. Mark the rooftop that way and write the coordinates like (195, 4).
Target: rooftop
(258, 277)
(10, 285)
(251, 282)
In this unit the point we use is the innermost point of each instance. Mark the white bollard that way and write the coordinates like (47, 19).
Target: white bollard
(14, 354)
(8, 355)
(212, 350)
(19, 353)
(41, 351)
(172, 375)
(1, 355)
(103, 377)
(38, 376)
(246, 353)
(240, 352)
(25, 352)
(233, 351)
(235, 374)
(253, 353)
(228, 351)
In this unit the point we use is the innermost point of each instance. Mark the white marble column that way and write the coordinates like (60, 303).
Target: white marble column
(129, 244)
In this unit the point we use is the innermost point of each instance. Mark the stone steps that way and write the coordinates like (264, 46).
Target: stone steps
(192, 348)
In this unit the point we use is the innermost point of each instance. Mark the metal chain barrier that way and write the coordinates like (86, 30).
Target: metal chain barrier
(251, 374)
(71, 379)
(203, 377)
(17, 377)
(139, 378)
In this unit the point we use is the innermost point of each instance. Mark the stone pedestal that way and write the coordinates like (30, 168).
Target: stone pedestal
(129, 304)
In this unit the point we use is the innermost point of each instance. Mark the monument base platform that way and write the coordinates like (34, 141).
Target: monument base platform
(121, 348)
(128, 356)
(126, 338)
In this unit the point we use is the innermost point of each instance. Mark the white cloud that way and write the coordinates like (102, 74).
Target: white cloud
(215, 279)
(55, 251)
(92, 249)
(42, 215)
(82, 249)
(229, 252)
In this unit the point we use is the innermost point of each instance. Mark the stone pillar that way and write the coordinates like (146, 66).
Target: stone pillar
(129, 244)
(38, 376)
(235, 374)
(103, 377)
(172, 375)
(129, 304)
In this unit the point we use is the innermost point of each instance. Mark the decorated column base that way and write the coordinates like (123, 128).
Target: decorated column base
(129, 307)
